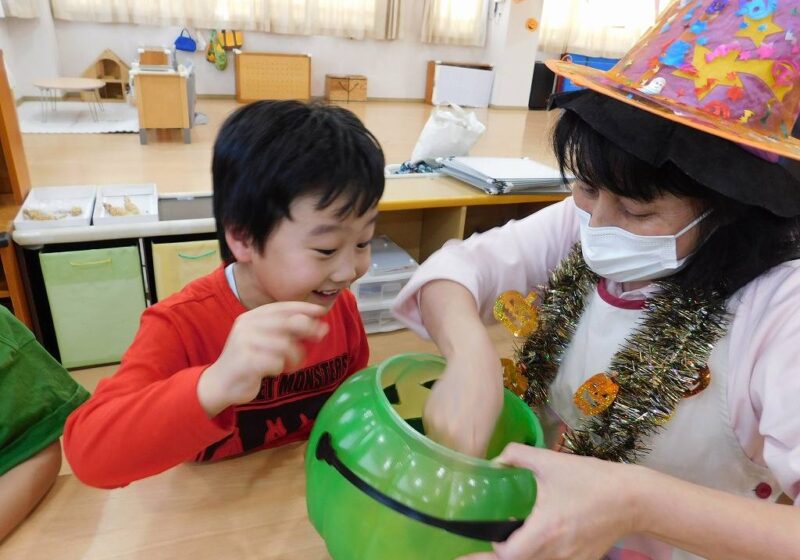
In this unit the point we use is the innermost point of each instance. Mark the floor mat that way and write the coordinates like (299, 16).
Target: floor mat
(73, 117)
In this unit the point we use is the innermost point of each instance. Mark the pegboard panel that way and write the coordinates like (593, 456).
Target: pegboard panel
(272, 76)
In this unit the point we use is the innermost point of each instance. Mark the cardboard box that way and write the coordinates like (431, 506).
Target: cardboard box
(462, 83)
(345, 87)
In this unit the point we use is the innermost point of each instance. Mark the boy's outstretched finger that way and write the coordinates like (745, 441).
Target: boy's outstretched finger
(289, 308)
(303, 326)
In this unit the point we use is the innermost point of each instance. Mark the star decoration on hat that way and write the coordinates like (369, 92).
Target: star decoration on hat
(725, 70)
(759, 29)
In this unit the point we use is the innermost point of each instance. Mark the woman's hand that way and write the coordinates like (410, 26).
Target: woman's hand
(462, 410)
(583, 506)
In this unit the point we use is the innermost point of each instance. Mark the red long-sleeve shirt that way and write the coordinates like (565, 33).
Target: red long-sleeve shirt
(146, 418)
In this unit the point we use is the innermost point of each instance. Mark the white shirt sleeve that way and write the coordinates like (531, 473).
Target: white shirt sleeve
(764, 389)
(517, 256)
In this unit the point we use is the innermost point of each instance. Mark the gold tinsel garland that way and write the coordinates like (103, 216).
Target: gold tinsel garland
(661, 362)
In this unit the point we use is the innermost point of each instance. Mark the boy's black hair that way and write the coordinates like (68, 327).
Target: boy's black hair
(741, 241)
(269, 153)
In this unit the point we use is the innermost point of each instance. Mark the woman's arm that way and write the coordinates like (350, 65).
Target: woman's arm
(715, 524)
(25, 485)
(451, 297)
(467, 399)
(585, 505)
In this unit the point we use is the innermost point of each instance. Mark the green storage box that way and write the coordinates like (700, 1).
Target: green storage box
(96, 298)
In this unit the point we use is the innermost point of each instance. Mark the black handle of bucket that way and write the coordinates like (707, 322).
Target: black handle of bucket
(493, 531)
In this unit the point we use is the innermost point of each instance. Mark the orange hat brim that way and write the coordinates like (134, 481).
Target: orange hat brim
(734, 131)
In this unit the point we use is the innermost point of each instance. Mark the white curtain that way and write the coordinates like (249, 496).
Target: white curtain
(359, 19)
(607, 28)
(455, 22)
(19, 8)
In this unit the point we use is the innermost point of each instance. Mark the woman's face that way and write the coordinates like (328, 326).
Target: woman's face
(665, 215)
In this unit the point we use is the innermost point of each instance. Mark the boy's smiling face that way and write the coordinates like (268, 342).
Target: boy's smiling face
(311, 257)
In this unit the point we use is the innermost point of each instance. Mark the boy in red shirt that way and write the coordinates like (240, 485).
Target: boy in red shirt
(244, 358)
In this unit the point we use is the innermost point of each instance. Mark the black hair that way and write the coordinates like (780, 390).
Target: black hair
(269, 153)
(741, 241)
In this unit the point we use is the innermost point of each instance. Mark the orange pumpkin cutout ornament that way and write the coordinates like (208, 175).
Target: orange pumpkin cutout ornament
(596, 394)
(517, 313)
(532, 24)
(703, 381)
(513, 377)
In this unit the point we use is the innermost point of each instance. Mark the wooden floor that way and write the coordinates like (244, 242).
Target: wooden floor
(64, 159)
(178, 167)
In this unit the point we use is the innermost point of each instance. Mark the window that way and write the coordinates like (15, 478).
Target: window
(19, 8)
(345, 18)
(455, 22)
(607, 28)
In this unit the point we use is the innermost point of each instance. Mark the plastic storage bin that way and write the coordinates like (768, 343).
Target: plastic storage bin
(591, 61)
(177, 264)
(390, 270)
(388, 258)
(381, 289)
(378, 318)
(96, 297)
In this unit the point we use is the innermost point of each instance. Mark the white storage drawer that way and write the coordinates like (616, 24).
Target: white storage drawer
(390, 270)
(370, 289)
(378, 318)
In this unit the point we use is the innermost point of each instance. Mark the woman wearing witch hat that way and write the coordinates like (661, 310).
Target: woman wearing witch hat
(667, 347)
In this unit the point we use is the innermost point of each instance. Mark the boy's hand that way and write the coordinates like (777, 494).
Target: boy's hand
(262, 343)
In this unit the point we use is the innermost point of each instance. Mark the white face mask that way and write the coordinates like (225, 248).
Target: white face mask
(622, 256)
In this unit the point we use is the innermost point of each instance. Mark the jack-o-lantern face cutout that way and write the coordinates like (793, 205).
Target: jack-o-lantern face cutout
(596, 394)
(517, 313)
(514, 377)
(532, 24)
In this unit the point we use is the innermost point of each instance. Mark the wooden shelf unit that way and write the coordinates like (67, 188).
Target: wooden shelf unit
(421, 214)
(111, 69)
(15, 183)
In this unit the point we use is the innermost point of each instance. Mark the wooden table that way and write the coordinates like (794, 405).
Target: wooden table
(50, 88)
(249, 507)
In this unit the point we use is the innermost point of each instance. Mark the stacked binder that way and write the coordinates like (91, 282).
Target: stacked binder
(500, 175)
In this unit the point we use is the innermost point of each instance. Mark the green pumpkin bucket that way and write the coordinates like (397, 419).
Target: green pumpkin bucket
(378, 489)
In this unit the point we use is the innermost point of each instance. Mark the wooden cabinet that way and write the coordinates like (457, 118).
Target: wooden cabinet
(418, 213)
(15, 183)
(422, 213)
(165, 100)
